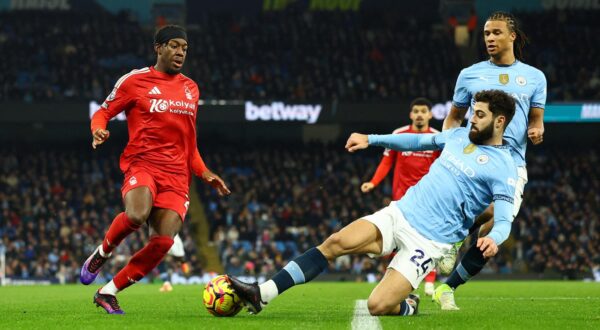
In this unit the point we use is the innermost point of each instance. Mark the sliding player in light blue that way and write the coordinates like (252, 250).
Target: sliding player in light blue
(474, 169)
(527, 85)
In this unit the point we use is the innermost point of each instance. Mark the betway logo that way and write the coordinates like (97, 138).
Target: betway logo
(162, 105)
(590, 111)
(278, 111)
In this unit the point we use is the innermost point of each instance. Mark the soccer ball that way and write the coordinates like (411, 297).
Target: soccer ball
(220, 299)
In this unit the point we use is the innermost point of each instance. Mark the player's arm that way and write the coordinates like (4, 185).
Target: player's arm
(200, 170)
(118, 100)
(98, 125)
(398, 142)
(460, 104)
(503, 216)
(386, 164)
(454, 118)
(535, 130)
(503, 190)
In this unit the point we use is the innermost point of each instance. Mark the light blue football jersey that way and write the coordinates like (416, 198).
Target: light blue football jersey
(460, 184)
(526, 84)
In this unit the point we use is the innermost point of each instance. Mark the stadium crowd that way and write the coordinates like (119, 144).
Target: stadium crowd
(285, 199)
(286, 55)
(52, 206)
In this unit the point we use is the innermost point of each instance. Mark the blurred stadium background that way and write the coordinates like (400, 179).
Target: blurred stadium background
(355, 65)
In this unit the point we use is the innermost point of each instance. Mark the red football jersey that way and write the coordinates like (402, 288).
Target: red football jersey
(410, 166)
(161, 120)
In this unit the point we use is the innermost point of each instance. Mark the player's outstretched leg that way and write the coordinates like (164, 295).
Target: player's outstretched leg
(302, 269)
(249, 293)
(108, 302)
(360, 236)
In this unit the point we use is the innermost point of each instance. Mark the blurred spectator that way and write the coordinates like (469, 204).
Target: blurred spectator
(290, 55)
(285, 199)
(283, 55)
(51, 204)
(288, 199)
(472, 26)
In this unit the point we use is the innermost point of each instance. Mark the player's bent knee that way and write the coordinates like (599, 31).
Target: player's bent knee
(378, 307)
(137, 215)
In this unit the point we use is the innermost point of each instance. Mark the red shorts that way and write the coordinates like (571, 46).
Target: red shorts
(169, 191)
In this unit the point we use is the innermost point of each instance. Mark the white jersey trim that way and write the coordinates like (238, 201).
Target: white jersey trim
(133, 72)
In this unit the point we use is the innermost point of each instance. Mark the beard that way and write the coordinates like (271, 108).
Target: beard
(480, 136)
(172, 71)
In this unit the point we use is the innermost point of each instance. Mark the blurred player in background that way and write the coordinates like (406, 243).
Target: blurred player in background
(158, 161)
(428, 220)
(527, 85)
(177, 251)
(409, 166)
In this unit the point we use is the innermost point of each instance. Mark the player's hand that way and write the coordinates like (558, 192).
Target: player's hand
(216, 182)
(487, 246)
(366, 187)
(536, 135)
(357, 141)
(99, 136)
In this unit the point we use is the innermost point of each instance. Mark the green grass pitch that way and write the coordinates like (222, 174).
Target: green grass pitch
(319, 305)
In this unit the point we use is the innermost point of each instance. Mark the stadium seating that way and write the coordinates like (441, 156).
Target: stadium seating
(54, 208)
(283, 55)
(286, 200)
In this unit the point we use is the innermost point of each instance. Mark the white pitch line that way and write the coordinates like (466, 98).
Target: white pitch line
(529, 298)
(362, 319)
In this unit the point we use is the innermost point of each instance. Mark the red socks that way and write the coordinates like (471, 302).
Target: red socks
(143, 262)
(118, 230)
(430, 278)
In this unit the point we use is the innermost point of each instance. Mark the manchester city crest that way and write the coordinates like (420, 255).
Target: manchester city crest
(521, 81)
(482, 159)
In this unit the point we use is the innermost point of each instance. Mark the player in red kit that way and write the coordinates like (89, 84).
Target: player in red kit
(410, 166)
(158, 161)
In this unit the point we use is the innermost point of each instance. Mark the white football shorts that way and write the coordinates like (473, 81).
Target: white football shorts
(416, 255)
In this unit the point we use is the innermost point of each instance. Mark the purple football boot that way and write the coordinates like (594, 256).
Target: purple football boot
(91, 267)
(108, 302)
